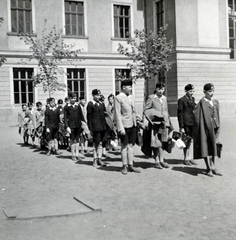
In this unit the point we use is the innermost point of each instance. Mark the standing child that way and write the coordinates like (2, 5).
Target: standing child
(22, 123)
(52, 125)
(97, 126)
(73, 118)
(112, 131)
(40, 122)
(83, 136)
(157, 133)
(186, 118)
(31, 125)
(207, 130)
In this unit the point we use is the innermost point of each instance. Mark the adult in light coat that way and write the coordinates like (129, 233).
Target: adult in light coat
(125, 120)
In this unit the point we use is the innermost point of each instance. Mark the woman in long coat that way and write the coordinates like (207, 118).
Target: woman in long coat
(207, 129)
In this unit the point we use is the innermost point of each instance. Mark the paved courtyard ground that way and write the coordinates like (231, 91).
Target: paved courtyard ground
(176, 203)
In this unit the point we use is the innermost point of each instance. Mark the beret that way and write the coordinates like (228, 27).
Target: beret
(160, 85)
(188, 87)
(96, 92)
(208, 86)
(127, 82)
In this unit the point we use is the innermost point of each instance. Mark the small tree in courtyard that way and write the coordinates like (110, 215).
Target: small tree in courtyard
(49, 51)
(149, 53)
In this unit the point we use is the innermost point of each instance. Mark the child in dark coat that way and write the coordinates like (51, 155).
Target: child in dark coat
(52, 118)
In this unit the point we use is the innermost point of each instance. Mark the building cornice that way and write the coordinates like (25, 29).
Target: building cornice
(203, 50)
(102, 56)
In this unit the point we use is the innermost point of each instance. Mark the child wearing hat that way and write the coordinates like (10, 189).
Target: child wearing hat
(186, 118)
(97, 126)
(52, 114)
(155, 135)
(206, 133)
(73, 118)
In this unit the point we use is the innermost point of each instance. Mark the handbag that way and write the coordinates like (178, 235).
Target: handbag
(219, 147)
(185, 138)
(167, 146)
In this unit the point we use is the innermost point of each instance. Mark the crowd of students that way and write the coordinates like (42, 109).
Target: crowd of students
(72, 124)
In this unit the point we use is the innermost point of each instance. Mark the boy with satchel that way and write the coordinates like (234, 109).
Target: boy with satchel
(186, 119)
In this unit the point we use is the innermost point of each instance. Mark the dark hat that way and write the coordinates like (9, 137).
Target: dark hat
(38, 104)
(188, 87)
(208, 86)
(160, 85)
(81, 98)
(72, 95)
(126, 82)
(96, 92)
(60, 101)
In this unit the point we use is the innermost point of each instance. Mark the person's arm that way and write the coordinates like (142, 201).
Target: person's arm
(117, 116)
(89, 115)
(180, 115)
(47, 121)
(81, 114)
(148, 104)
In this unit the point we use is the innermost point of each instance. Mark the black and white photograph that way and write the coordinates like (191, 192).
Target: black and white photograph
(117, 119)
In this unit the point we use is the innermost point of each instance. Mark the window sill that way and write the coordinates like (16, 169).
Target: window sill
(74, 36)
(121, 39)
(21, 34)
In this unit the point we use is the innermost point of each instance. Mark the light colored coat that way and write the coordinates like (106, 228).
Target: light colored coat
(153, 102)
(124, 112)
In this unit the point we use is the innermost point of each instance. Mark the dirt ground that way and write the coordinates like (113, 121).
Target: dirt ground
(176, 203)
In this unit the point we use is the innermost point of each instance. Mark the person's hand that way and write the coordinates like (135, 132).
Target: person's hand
(19, 130)
(47, 130)
(122, 132)
(68, 130)
(182, 130)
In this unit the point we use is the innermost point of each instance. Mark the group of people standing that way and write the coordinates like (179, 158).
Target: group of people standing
(119, 120)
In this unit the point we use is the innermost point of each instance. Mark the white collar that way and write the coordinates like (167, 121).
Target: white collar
(69, 104)
(94, 102)
(210, 101)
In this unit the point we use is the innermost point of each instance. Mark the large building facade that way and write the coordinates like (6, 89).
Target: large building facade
(95, 27)
(203, 33)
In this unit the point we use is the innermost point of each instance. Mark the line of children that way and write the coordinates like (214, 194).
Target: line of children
(199, 121)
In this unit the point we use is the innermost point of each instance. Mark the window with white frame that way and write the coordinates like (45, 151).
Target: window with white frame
(21, 16)
(74, 18)
(159, 7)
(23, 85)
(232, 27)
(120, 75)
(122, 25)
(76, 81)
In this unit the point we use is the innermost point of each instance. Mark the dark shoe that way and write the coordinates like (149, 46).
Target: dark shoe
(82, 152)
(48, 153)
(95, 163)
(209, 173)
(78, 159)
(124, 170)
(158, 165)
(133, 169)
(101, 163)
(164, 165)
(192, 162)
(186, 162)
(56, 152)
(215, 172)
